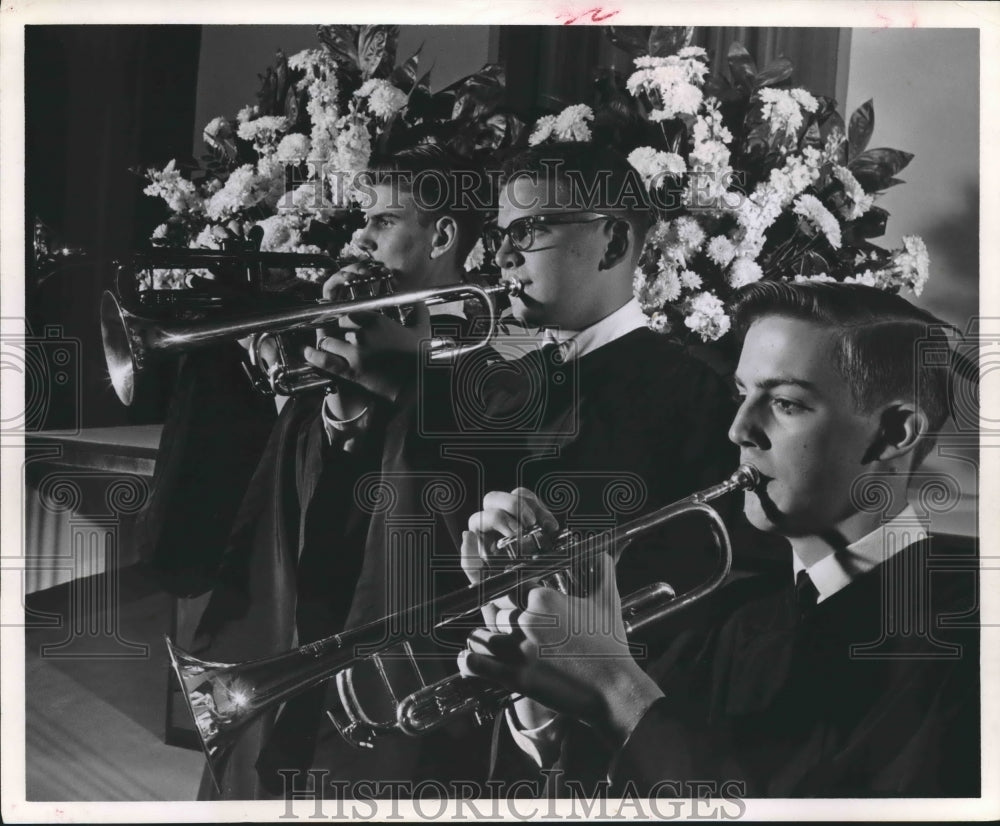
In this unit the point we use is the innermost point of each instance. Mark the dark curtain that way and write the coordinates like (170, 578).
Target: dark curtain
(99, 100)
(549, 67)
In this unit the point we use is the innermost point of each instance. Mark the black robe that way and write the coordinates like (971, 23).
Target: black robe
(873, 693)
(633, 425)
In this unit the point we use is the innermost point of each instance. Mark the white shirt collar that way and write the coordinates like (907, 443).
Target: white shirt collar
(624, 320)
(838, 569)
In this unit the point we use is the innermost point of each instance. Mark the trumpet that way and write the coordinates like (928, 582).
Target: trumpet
(132, 341)
(223, 697)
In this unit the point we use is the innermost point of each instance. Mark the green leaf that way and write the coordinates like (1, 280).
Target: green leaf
(777, 71)
(861, 128)
(631, 39)
(377, 50)
(870, 225)
(341, 42)
(874, 168)
(741, 66)
(668, 40)
(404, 77)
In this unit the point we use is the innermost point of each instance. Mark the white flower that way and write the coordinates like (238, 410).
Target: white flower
(721, 250)
(707, 317)
(211, 238)
(868, 278)
(693, 51)
(744, 271)
(543, 130)
(179, 193)
(242, 190)
(353, 151)
(474, 260)
(160, 231)
(860, 203)
(690, 280)
(913, 263)
(659, 323)
(812, 209)
(353, 248)
(262, 132)
(216, 132)
(689, 233)
(821, 277)
(672, 83)
(384, 99)
(247, 113)
(667, 286)
(571, 123)
(652, 165)
(783, 109)
(293, 148)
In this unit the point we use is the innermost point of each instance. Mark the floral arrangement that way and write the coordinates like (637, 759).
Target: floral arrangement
(749, 179)
(283, 170)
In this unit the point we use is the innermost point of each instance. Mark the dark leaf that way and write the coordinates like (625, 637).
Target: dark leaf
(892, 182)
(404, 77)
(874, 168)
(668, 40)
(742, 67)
(479, 93)
(870, 225)
(777, 71)
(631, 39)
(861, 128)
(812, 263)
(341, 42)
(812, 136)
(377, 50)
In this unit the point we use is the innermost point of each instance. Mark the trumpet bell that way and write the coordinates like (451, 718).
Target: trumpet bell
(120, 352)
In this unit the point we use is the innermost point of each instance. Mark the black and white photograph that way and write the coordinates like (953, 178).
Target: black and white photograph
(498, 411)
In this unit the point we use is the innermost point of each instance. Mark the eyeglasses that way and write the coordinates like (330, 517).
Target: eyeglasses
(522, 230)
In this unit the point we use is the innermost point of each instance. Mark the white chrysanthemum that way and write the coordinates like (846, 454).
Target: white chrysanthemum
(783, 109)
(543, 130)
(667, 286)
(913, 263)
(707, 317)
(216, 131)
(168, 184)
(474, 260)
(659, 323)
(690, 280)
(572, 123)
(384, 99)
(211, 237)
(859, 201)
(819, 277)
(693, 51)
(868, 278)
(652, 164)
(744, 271)
(353, 151)
(689, 233)
(679, 99)
(160, 231)
(353, 248)
(721, 250)
(812, 209)
(263, 131)
(247, 113)
(293, 148)
(241, 190)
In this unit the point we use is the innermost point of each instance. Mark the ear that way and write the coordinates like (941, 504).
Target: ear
(445, 236)
(618, 247)
(902, 426)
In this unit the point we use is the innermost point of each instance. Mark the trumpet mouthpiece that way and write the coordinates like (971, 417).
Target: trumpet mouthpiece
(747, 477)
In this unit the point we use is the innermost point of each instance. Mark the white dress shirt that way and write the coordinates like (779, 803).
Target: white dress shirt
(838, 569)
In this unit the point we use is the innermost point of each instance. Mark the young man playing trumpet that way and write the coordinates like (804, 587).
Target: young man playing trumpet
(605, 415)
(854, 673)
(294, 559)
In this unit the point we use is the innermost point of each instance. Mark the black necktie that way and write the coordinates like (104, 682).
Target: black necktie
(805, 592)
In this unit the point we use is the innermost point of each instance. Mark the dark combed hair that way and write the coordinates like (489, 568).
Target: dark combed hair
(442, 183)
(880, 334)
(588, 176)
